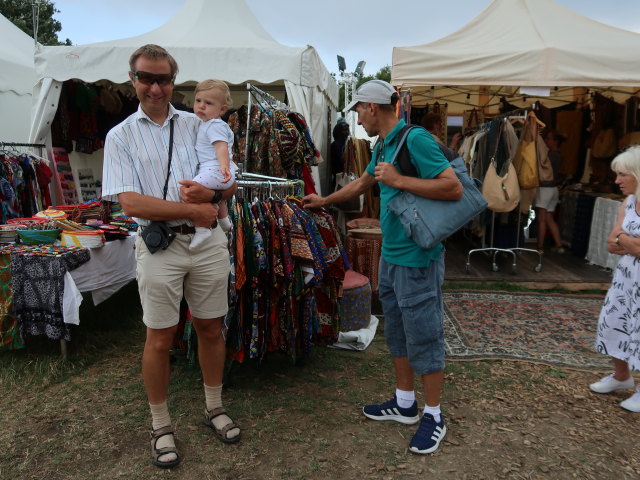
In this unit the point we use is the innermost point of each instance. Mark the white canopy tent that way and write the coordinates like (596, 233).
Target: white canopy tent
(209, 39)
(519, 43)
(17, 79)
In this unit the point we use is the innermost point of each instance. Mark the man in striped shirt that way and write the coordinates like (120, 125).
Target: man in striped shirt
(136, 162)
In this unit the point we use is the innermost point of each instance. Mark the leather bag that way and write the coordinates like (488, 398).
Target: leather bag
(545, 169)
(525, 160)
(356, 204)
(428, 221)
(502, 192)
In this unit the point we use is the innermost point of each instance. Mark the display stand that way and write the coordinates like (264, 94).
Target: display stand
(492, 249)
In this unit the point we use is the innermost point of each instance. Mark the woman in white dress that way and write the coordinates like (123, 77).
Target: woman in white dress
(618, 332)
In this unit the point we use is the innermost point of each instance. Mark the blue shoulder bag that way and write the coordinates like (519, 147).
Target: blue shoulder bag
(428, 221)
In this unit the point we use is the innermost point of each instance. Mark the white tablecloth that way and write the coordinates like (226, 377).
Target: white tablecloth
(605, 213)
(110, 268)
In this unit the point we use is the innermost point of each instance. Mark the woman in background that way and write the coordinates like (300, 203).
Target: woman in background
(618, 332)
(548, 196)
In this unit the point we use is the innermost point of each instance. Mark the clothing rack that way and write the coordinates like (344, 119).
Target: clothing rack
(265, 101)
(13, 144)
(491, 248)
(255, 180)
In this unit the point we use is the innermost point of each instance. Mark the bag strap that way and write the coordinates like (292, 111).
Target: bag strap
(404, 162)
(166, 182)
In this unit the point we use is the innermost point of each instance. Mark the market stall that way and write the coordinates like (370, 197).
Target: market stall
(536, 55)
(17, 79)
(237, 50)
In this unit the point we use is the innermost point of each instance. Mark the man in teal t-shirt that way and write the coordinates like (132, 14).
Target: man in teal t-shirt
(410, 277)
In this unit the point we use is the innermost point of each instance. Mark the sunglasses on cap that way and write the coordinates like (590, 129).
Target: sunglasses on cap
(162, 79)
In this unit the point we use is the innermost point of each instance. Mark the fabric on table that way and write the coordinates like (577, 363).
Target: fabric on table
(112, 266)
(582, 224)
(38, 291)
(605, 214)
(71, 300)
(568, 204)
(10, 337)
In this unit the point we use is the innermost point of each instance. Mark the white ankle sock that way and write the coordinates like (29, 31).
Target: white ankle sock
(213, 396)
(160, 418)
(435, 411)
(213, 399)
(405, 399)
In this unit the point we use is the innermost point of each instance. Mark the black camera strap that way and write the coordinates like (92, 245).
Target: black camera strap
(166, 182)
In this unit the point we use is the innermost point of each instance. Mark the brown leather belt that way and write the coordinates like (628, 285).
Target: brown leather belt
(183, 229)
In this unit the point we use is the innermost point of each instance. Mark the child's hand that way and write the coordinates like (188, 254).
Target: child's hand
(226, 174)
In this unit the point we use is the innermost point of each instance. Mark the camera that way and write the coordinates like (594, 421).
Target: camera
(157, 236)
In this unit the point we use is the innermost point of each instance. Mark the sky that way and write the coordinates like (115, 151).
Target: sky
(357, 30)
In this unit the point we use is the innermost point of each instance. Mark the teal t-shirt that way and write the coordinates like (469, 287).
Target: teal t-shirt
(429, 161)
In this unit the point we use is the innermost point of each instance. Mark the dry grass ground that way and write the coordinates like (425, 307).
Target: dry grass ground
(87, 418)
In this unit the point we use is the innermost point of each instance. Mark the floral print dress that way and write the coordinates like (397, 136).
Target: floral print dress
(618, 332)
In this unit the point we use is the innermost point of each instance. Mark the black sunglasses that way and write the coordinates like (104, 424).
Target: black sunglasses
(162, 79)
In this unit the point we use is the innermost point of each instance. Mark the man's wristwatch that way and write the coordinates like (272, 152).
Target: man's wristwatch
(217, 196)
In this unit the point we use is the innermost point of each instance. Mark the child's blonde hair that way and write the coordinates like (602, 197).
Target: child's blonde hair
(211, 84)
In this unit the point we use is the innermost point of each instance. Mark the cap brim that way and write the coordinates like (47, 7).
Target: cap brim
(351, 106)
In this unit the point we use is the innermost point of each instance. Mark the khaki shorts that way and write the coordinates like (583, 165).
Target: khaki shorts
(547, 198)
(202, 276)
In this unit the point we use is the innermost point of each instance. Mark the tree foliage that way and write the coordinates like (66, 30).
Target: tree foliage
(20, 13)
(383, 74)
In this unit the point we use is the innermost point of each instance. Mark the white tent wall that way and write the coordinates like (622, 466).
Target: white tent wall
(516, 43)
(237, 51)
(17, 78)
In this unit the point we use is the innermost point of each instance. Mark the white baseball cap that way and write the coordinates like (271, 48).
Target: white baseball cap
(373, 91)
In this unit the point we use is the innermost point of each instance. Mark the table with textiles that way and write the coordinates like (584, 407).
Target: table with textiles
(576, 212)
(605, 213)
(33, 281)
(44, 283)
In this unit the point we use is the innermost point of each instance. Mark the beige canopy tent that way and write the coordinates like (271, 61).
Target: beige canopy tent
(17, 78)
(209, 39)
(520, 43)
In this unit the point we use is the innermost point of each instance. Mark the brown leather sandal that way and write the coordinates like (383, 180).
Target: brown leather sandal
(156, 453)
(221, 433)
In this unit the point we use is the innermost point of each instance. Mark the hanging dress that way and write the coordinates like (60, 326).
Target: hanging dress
(618, 333)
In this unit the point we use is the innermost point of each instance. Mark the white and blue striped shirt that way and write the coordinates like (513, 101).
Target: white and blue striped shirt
(136, 155)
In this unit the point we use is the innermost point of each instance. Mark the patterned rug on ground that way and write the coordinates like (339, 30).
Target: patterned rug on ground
(555, 329)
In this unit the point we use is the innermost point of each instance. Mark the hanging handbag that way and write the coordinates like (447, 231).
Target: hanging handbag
(356, 204)
(545, 169)
(526, 159)
(428, 221)
(501, 192)
(157, 235)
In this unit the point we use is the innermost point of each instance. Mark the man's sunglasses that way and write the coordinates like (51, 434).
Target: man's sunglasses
(162, 79)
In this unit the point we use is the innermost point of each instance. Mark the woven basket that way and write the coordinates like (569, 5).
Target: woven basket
(9, 234)
(27, 221)
(86, 239)
(38, 237)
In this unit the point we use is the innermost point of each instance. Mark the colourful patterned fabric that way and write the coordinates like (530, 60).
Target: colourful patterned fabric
(10, 337)
(38, 289)
(278, 308)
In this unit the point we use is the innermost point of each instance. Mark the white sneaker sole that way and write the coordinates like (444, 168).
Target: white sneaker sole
(432, 449)
(631, 406)
(606, 387)
(394, 417)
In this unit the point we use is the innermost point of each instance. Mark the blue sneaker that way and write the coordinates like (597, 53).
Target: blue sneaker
(391, 411)
(428, 436)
